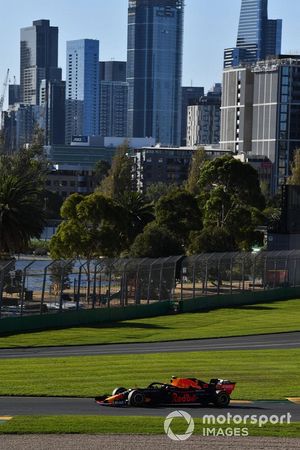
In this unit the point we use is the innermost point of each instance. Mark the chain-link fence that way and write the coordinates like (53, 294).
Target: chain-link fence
(43, 286)
(227, 273)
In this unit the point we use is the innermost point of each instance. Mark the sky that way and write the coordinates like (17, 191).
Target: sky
(209, 27)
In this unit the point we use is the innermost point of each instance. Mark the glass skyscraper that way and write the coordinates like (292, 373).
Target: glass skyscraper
(258, 37)
(82, 88)
(113, 98)
(154, 69)
(38, 59)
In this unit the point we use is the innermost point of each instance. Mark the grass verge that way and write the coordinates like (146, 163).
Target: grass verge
(261, 374)
(253, 319)
(122, 425)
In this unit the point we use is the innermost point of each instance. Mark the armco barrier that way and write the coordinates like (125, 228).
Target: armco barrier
(74, 318)
(245, 298)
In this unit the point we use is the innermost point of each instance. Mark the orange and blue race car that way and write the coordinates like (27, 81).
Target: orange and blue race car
(179, 391)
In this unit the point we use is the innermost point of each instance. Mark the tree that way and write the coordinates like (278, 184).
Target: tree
(21, 212)
(231, 203)
(38, 141)
(235, 178)
(91, 227)
(118, 179)
(198, 159)
(178, 212)
(157, 190)
(102, 168)
(155, 242)
(26, 163)
(59, 275)
(138, 212)
(295, 169)
(210, 240)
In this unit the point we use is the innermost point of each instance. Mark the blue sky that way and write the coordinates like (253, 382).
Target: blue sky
(210, 25)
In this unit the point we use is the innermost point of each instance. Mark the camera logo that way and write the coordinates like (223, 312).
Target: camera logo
(190, 426)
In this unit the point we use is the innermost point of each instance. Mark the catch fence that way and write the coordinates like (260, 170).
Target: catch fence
(42, 286)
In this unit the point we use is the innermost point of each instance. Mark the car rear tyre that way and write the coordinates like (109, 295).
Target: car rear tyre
(221, 399)
(118, 390)
(136, 398)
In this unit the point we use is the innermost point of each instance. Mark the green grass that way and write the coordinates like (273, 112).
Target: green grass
(261, 374)
(264, 318)
(120, 425)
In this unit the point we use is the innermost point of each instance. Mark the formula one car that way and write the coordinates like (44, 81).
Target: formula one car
(178, 391)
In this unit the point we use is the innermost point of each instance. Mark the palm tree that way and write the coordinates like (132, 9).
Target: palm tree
(21, 212)
(139, 212)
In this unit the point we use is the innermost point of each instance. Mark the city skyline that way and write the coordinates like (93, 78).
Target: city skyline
(201, 18)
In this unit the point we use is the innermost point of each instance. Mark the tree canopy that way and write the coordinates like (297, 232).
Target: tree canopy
(178, 212)
(233, 177)
(231, 203)
(118, 179)
(21, 200)
(137, 214)
(155, 242)
(91, 227)
(198, 159)
(21, 212)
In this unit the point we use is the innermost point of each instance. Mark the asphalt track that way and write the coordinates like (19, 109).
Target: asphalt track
(14, 406)
(256, 342)
(86, 406)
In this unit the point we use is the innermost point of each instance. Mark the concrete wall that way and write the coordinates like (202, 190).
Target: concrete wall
(105, 315)
(74, 318)
(247, 298)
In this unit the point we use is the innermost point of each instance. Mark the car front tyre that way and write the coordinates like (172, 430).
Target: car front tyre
(136, 398)
(118, 390)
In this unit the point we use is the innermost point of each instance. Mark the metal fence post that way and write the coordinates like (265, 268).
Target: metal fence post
(265, 272)
(44, 285)
(161, 276)
(243, 274)
(230, 276)
(194, 278)
(294, 272)
(253, 273)
(23, 286)
(2, 272)
(79, 287)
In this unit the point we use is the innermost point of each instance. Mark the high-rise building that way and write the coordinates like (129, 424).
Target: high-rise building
(55, 113)
(258, 37)
(237, 109)
(113, 98)
(261, 112)
(14, 94)
(190, 95)
(82, 88)
(112, 70)
(38, 59)
(154, 69)
(203, 119)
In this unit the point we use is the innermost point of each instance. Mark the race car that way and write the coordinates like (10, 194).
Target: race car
(178, 391)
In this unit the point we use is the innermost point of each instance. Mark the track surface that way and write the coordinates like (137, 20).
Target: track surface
(14, 406)
(256, 342)
(86, 406)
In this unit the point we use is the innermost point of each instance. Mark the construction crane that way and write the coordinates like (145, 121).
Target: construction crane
(2, 98)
